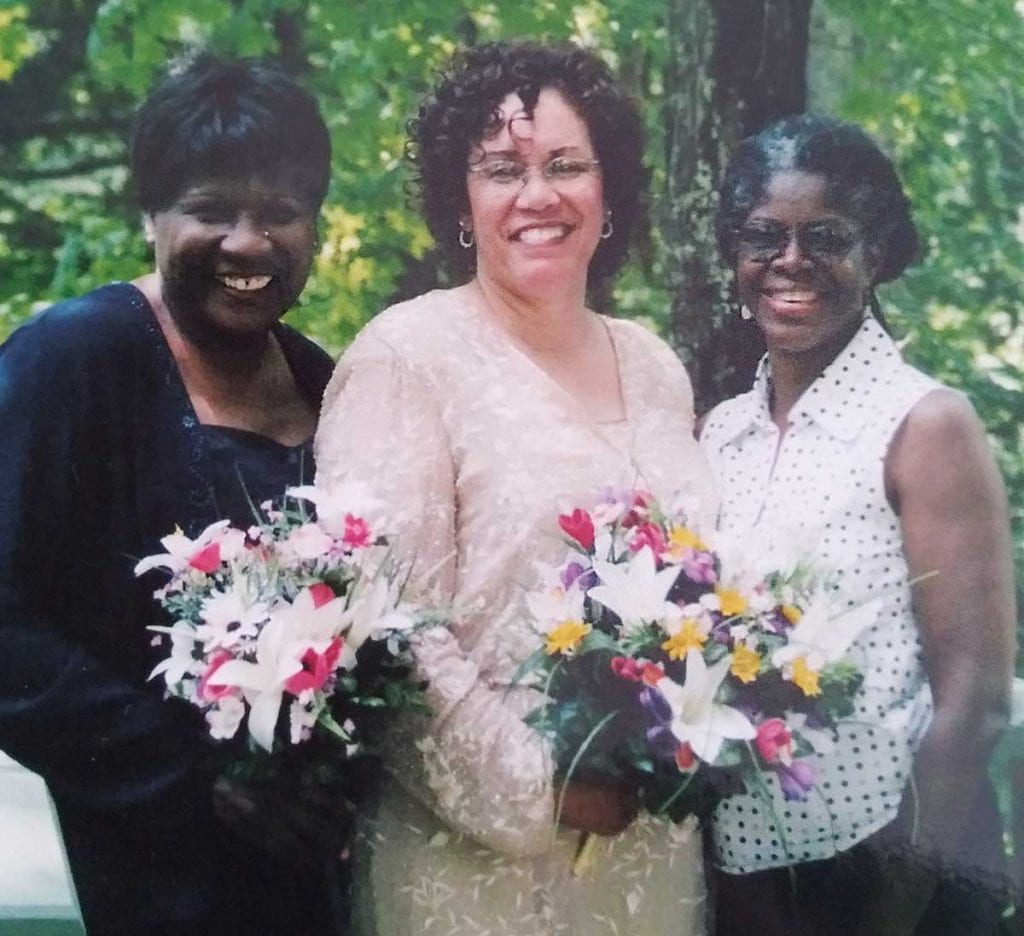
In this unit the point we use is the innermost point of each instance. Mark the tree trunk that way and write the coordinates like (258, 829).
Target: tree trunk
(734, 66)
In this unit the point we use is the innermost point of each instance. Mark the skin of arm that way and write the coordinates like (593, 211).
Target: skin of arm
(942, 480)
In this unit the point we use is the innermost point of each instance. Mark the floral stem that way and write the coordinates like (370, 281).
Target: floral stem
(585, 854)
(680, 790)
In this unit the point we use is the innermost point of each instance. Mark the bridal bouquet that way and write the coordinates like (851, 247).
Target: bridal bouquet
(293, 623)
(685, 672)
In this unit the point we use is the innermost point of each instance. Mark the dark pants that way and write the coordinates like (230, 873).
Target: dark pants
(831, 897)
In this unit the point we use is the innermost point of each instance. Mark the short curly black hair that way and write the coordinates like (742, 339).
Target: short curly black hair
(860, 180)
(464, 106)
(211, 116)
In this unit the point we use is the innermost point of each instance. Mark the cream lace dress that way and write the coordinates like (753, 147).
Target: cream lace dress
(474, 450)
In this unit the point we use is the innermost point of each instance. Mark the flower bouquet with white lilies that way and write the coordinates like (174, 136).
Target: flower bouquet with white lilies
(684, 672)
(291, 625)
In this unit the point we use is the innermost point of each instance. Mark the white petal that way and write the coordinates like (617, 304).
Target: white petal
(263, 718)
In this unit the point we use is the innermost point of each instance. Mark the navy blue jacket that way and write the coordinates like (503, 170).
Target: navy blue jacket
(102, 455)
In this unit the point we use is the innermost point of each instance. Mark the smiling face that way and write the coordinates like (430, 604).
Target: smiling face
(802, 268)
(537, 231)
(233, 255)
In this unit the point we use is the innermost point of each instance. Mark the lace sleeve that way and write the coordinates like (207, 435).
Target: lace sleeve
(473, 761)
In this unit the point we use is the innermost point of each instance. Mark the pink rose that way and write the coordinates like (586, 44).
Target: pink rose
(684, 756)
(651, 674)
(357, 532)
(649, 534)
(627, 668)
(774, 741)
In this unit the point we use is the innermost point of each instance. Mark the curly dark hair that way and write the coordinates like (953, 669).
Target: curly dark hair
(861, 181)
(210, 116)
(463, 108)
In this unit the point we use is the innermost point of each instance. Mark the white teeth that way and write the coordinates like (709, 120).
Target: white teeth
(795, 296)
(542, 235)
(245, 283)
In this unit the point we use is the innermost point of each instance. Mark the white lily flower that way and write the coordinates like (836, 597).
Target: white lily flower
(332, 506)
(262, 682)
(636, 592)
(180, 663)
(293, 630)
(697, 719)
(371, 612)
(181, 550)
(307, 623)
(823, 637)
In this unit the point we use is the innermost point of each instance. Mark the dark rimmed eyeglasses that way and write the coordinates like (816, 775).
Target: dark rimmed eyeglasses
(559, 170)
(822, 241)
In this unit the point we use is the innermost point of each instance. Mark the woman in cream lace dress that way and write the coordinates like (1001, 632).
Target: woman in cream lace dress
(475, 414)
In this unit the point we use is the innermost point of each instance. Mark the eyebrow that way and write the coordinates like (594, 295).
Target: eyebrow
(515, 155)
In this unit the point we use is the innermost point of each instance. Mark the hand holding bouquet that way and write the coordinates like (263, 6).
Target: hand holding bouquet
(680, 670)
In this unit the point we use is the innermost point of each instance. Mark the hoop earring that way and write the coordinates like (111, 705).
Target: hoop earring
(466, 238)
(606, 228)
(745, 313)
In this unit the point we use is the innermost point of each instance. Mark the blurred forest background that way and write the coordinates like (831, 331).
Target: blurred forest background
(938, 82)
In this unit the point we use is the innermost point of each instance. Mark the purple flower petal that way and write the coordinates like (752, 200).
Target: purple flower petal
(796, 780)
(662, 742)
(570, 573)
(699, 567)
(656, 705)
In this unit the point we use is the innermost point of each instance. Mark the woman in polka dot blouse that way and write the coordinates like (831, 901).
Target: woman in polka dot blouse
(883, 476)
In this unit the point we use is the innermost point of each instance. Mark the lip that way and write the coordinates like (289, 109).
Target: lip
(792, 301)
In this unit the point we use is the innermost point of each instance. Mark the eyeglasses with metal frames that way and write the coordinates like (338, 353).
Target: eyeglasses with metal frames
(559, 170)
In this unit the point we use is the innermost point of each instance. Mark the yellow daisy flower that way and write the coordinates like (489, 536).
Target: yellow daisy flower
(687, 638)
(681, 538)
(567, 636)
(805, 678)
(731, 602)
(746, 663)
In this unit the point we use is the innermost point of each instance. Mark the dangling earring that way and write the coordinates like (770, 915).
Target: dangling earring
(606, 228)
(148, 230)
(465, 235)
(745, 313)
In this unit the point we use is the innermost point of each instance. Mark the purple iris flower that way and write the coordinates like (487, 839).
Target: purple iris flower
(576, 573)
(778, 622)
(659, 736)
(796, 780)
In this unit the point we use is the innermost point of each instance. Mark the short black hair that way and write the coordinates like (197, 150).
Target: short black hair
(860, 181)
(210, 117)
(463, 108)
